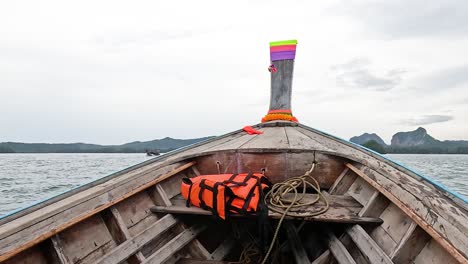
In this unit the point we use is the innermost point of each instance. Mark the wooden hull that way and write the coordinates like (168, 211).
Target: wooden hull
(380, 212)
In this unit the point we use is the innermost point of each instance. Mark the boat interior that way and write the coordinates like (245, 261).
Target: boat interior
(378, 212)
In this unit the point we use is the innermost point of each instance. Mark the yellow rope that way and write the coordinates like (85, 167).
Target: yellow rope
(277, 201)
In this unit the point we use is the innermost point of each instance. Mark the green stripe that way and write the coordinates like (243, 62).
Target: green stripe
(283, 42)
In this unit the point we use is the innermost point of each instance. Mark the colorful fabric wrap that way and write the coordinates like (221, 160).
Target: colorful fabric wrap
(280, 114)
(283, 50)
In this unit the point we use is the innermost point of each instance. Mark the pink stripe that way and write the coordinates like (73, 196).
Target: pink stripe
(280, 111)
(283, 48)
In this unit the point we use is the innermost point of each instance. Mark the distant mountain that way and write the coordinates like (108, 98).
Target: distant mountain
(417, 141)
(366, 137)
(418, 137)
(162, 145)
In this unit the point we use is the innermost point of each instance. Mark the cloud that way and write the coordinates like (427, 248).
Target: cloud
(357, 74)
(426, 120)
(400, 18)
(445, 78)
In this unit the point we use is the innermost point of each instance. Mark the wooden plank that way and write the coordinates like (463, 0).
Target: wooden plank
(58, 248)
(396, 223)
(344, 181)
(410, 245)
(197, 261)
(223, 249)
(433, 253)
(175, 245)
(121, 233)
(324, 258)
(332, 189)
(452, 247)
(166, 201)
(367, 245)
(87, 241)
(272, 138)
(34, 237)
(195, 171)
(375, 206)
(236, 143)
(334, 215)
(295, 244)
(298, 140)
(338, 250)
(281, 85)
(131, 246)
(361, 191)
(195, 245)
(327, 168)
(333, 200)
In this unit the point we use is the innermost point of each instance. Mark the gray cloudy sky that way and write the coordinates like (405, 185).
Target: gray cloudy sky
(110, 72)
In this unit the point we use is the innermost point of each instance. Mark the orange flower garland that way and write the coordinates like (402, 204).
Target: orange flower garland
(279, 115)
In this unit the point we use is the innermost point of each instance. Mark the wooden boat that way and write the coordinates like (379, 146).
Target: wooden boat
(379, 211)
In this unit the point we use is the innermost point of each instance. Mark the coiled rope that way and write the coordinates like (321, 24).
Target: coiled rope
(277, 201)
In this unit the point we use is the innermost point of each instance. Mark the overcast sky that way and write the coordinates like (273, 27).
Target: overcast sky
(111, 72)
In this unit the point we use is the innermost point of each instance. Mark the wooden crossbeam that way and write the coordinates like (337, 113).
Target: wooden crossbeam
(223, 249)
(338, 250)
(196, 261)
(120, 232)
(130, 247)
(176, 244)
(367, 245)
(343, 209)
(58, 250)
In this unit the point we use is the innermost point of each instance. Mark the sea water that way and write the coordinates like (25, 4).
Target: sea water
(28, 178)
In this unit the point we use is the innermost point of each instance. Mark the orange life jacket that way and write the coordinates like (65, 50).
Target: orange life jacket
(224, 193)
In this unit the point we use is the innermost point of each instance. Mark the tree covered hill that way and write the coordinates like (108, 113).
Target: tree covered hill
(162, 145)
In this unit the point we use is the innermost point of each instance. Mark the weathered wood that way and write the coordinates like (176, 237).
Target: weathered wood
(295, 244)
(433, 253)
(87, 241)
(326, 170)
(195, 245)
(34, 255)
(361, 191)
(367, 245)
(131, 246)
(396, 223)
(375, 206)
(175, 245)
(338, 250)
(281, 85)
(333, 187)
(236, 143)
(223, 249)
(324, 258)
(196, 261)
(343, 182)
(458, 241)
(298, 140)
(272, 138)
(120, 232)
(135, 212)
(410, 245)
(34, 237)
(58, 250)
(333, 215)
(195, 171)
(162, 194)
